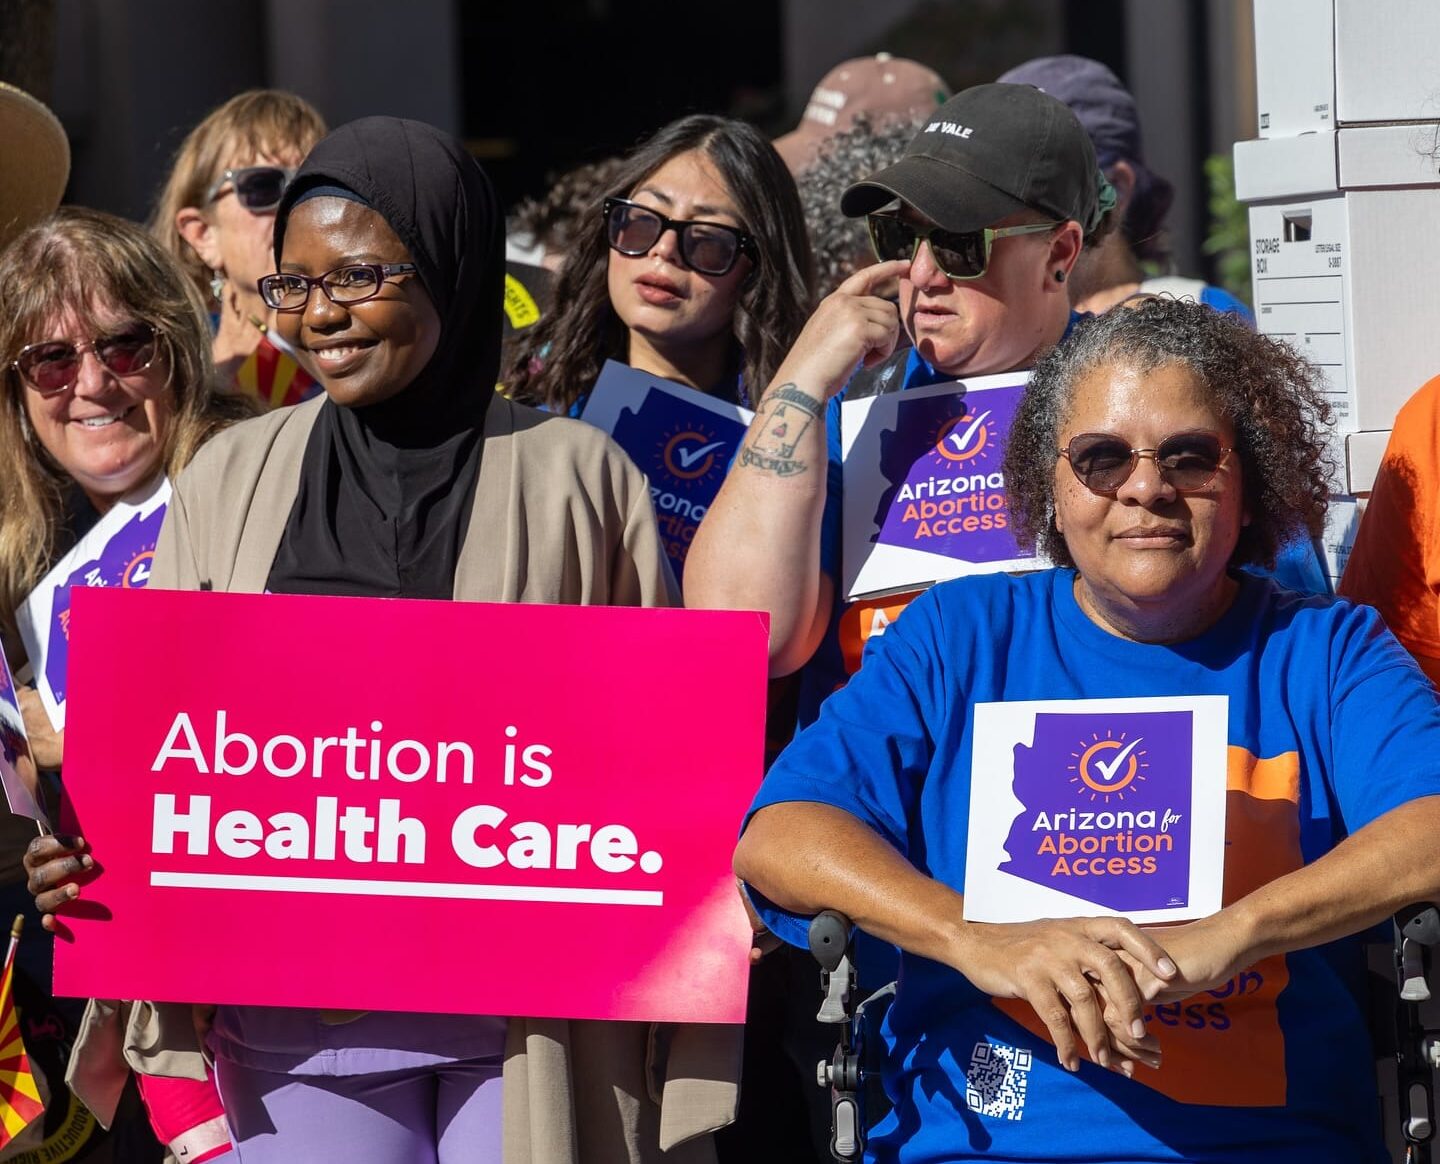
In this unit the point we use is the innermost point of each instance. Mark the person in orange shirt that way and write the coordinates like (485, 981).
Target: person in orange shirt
(1395, 563)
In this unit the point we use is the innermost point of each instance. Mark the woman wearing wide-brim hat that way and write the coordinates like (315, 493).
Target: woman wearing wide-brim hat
(36, 162)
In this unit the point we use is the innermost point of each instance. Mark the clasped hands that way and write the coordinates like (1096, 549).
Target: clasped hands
(1090, 979)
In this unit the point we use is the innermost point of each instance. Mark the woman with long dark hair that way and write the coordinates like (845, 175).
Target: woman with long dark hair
(698, 271)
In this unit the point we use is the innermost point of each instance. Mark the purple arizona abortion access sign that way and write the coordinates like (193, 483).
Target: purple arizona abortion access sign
(1106, 808)
(944, 461)
(124, 560)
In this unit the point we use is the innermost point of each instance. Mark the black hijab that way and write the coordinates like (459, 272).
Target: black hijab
(386, 489)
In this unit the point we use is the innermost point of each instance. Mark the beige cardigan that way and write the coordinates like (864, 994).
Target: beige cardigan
(560, 515)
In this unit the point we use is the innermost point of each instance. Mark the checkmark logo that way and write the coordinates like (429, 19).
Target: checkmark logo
(688, 457)
(961, 440)
(1108, 772)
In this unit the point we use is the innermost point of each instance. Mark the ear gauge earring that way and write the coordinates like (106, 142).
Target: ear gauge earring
(1059, 276)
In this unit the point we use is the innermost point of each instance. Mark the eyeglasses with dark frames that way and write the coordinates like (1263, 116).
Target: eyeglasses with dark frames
(51, 366)
(960, 255)
(257, 188)
(1186, 461)
(709, 248)
(344, 286)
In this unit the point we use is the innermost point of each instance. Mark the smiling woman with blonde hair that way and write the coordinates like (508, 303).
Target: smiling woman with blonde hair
(106, 386)
(107, 383)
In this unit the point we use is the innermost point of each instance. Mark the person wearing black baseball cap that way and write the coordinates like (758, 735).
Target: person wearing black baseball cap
(1003, 186)
(981, 221)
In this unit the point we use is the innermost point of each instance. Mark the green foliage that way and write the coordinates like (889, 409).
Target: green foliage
(1229, 238)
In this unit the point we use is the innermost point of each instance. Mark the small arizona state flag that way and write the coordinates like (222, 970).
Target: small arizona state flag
(19, 1097)
(273, 375)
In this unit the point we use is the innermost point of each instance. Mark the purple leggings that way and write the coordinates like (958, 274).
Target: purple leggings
(440, 1114)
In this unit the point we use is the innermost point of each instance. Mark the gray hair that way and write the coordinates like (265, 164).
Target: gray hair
(1271, 394)
(842, 245)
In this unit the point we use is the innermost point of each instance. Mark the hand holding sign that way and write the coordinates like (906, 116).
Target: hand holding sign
(852, 326)
(52, 863)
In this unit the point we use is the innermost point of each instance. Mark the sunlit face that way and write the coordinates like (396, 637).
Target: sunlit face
(107, 432)
(655, 294)
(366, 352)
(243, 240)
(996, 323)
(1147, 547)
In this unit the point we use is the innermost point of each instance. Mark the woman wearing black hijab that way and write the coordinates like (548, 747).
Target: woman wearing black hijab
(410, 478)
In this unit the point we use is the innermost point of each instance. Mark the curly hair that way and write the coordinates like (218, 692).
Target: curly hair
(567, 209)
(561, 356)
(842, 245)
(1269, 392)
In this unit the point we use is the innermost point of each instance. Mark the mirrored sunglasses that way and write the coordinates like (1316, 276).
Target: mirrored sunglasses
(1186, 461)
(51, 366)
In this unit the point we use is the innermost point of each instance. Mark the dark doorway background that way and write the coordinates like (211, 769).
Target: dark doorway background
(549, 84)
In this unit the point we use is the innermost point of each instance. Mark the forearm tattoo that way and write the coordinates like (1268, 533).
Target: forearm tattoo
(785, 415)
(793, 395)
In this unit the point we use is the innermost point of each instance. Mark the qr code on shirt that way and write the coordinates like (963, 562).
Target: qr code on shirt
(997, 1081)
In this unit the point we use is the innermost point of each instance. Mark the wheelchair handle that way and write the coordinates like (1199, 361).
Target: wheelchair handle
(829, 937)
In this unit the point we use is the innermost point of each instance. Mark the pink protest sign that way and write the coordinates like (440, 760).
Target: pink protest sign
(416, 806)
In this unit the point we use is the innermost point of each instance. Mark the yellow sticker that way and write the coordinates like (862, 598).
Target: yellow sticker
(520, 305)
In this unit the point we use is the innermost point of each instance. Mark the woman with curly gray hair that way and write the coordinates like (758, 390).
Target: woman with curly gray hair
(1156, 451)
(1268, 393)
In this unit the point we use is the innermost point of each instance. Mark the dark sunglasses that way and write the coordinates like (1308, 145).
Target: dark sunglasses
(257, 188)
(51, 366)
(344, 286)
(710, 248)
(960, 255)
(1186, 461)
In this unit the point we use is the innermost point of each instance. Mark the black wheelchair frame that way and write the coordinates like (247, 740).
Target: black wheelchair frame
(1417, 1044)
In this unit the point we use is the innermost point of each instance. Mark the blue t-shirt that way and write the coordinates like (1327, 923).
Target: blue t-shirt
(1331, 725)
(1181, 287)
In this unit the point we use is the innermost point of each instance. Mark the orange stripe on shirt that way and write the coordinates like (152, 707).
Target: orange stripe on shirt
(1225, 1047)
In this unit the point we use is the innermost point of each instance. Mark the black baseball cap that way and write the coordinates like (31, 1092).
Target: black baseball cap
(989, 152)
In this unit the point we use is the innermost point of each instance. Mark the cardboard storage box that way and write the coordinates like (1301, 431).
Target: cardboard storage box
(1294, 66)
(1324, 64)
(1387, 60)
(1347, 273)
